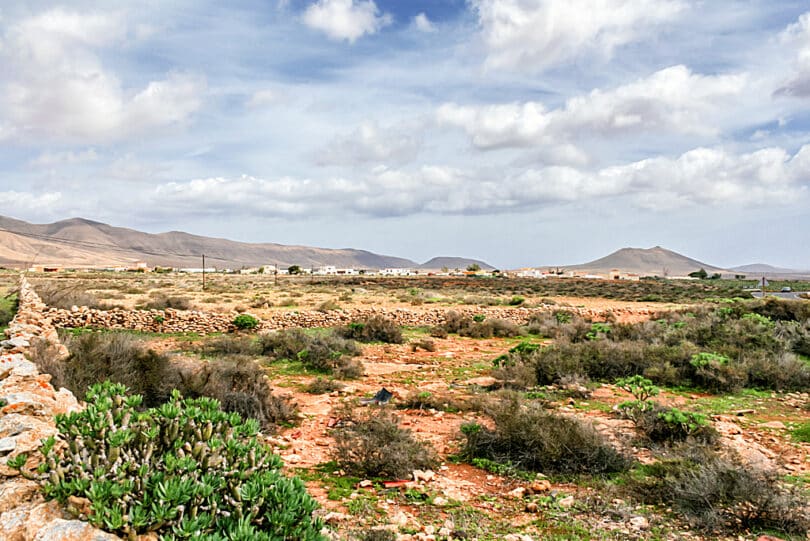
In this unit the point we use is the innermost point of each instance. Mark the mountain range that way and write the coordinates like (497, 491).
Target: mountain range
(84, 243)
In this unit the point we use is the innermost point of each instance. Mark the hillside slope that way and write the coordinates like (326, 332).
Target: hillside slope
(647, 261)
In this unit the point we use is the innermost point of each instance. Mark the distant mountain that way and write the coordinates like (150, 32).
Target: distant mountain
(759, 268)
(81, 242)
(453, 263)
(655, 261)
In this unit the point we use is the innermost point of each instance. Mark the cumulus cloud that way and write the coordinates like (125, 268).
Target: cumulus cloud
(702, 176)
(56, 86)
(535, 34)
(27, 202)
(370, 143)
(346, 19)
(797, 37)
(423, 24)
(673, 99)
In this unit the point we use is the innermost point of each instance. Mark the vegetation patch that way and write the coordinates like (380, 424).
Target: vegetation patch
(185, 470)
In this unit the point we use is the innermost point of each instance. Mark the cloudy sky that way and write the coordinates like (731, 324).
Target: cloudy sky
(521, 132)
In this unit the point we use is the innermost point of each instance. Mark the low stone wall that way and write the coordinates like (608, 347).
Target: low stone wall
(171, 321)
(29, 403)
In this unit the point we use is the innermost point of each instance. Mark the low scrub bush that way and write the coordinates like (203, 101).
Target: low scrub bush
(721, 494)
(241, 386)
(185, 470)
(59, 295)
(373, 329)
(534, 439)
(8, 307)
(230, 345)
(479, 326)
(326, 353)
(118, 357)
(370, 443)
(162, 302)
(323, 386)
(423, 343)
(426, 400)
(245, 322)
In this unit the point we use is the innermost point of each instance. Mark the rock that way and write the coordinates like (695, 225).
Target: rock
(538, 487)
(365, 483)
(72, 530)
(439, 501)
(17, 491)
(7, 445)
(517, 493)
(423, 475)
(773, 424)
(333, 517)
(640, 523)
(532, 507)
(566, 502)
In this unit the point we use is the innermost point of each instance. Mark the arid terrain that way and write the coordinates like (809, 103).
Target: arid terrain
(443, 381)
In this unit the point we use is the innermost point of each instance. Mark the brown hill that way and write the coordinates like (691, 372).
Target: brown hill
(655, 261)
(81, 242)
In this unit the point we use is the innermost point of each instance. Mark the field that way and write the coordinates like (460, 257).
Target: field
(693, 424)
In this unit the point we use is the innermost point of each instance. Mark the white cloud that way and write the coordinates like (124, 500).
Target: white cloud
(56, 87)
(371, 143)
(263, 98)
(51, 159)
(26, 202)
(346, 19)
(673, 99)
(535, 34)
(797, 37)
(423, 24)
(701, 177)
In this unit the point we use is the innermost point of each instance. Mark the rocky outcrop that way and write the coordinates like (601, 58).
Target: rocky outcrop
(28, 405)
(172, 321)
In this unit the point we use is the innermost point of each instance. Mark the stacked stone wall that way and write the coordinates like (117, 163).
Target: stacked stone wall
(28, 404)
(175, 321)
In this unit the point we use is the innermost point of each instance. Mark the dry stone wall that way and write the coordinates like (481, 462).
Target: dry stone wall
(172, 321)
(29, 403)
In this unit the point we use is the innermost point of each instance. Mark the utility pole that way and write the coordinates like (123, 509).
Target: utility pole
(203, 267)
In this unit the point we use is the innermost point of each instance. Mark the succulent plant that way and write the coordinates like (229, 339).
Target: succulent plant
(185, 470)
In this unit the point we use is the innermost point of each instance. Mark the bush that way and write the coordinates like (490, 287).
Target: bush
(58, 295)
(185, 470)
(162, 302)
(114, 356)
(240, 386)
(245, 322)
(718, 493)
(373, 329)
(323, 386)
(8, 308)
(324, 353)
(230, 345)
(533, 439)
(370, 443)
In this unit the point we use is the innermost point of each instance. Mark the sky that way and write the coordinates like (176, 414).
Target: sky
(520, 132)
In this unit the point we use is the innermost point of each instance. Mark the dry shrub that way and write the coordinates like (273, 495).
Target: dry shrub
(370, 443)
(531, 438)
(722, 494)
(230, 345)
(373, 329)
(59, 295)
(241, 386)
(118, 357)
(478, 327)
(162, 302)
(426, 400)
(323, 386)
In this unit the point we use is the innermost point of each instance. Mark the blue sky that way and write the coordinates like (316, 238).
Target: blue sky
(521, 132)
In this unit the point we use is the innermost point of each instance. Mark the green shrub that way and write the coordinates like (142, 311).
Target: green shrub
(801, 433)
(185, 470)
(640, 387)
(8, 308)
(533, 439)
(517, 300)
(370, 443)
(373, 329)
(245, 322)
(325, 353)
